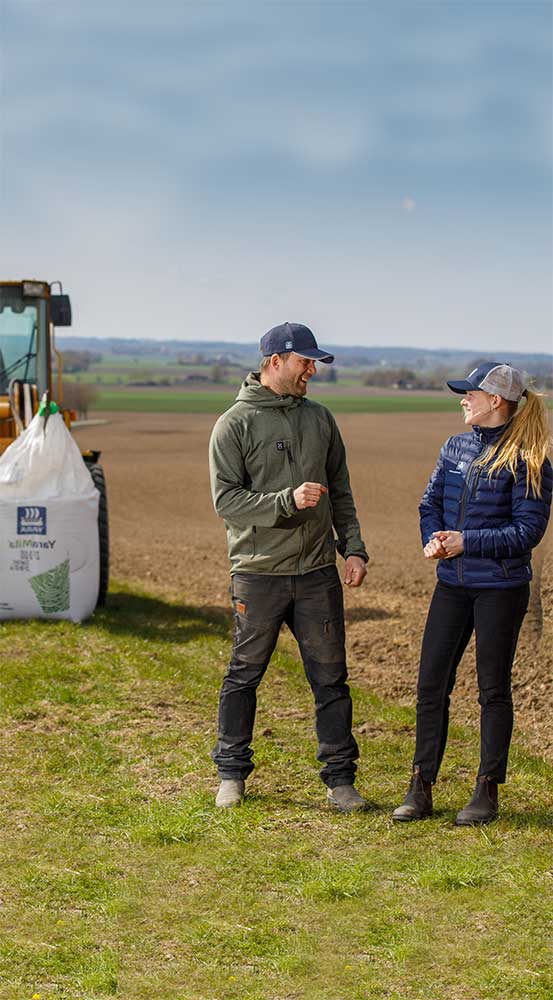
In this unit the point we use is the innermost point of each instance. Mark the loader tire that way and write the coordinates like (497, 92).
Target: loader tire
(98, 478)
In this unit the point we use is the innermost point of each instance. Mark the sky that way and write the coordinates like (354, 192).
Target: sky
(380, 171)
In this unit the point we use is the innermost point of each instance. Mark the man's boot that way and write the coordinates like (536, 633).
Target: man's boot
(483, 806)
(418, 801)
(346, 799)
(231, 792)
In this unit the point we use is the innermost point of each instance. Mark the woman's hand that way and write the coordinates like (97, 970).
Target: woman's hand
(451, 543)
(434, 548)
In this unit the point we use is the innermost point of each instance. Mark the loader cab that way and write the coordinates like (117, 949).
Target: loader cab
(28, 314)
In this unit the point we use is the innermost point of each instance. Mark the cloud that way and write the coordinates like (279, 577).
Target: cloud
(232, 81)
(204, 169)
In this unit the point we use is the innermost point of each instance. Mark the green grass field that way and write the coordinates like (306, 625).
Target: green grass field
(119, 877)
(190, 401)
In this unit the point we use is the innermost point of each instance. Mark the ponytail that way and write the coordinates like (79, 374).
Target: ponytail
(527, 436)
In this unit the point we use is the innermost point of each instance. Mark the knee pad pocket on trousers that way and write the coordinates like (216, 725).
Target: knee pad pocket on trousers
(323, 641)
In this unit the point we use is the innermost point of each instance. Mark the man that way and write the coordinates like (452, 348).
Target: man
(279, 479)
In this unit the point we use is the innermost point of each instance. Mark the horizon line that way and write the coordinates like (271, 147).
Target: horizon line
(336, 347)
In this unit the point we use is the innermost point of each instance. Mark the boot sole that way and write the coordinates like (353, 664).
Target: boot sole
(475, 822)
(410, 819)
(345, 812)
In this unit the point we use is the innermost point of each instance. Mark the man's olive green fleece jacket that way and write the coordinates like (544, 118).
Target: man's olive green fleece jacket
(261, 450)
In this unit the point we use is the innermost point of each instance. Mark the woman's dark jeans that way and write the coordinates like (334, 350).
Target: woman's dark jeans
(312, 607)
(455, 612)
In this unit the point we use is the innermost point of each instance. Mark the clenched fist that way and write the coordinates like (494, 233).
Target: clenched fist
(451, 542)
(308, 495)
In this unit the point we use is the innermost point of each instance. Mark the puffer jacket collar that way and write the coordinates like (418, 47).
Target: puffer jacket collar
(489, 435)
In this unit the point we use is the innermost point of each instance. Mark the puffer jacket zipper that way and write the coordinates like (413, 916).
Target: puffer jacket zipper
(468, 490)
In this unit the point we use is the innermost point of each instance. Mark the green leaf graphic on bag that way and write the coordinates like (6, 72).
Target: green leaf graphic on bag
(52, 588)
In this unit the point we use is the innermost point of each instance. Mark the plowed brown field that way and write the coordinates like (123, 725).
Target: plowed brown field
(166, 538)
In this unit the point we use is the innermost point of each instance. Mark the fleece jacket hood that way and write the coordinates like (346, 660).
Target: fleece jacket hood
(253, 392)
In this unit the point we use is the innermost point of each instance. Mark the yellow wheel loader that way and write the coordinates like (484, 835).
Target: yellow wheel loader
(29, 314)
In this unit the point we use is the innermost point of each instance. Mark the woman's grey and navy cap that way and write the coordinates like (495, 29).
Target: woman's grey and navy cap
(495, 378)
(294, 337)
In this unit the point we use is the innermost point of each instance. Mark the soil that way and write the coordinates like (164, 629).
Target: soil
(166, 538)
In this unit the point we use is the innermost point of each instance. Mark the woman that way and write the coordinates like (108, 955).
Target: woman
(485, 508)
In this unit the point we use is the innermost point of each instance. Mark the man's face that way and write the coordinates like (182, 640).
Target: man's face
(294, 374)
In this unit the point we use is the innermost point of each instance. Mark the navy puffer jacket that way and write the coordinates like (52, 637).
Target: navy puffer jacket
(500, 523)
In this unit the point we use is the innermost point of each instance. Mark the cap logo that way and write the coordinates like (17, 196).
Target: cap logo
(288, 345)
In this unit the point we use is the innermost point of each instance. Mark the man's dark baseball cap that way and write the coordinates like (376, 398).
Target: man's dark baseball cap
(496, 378)
(294, 337)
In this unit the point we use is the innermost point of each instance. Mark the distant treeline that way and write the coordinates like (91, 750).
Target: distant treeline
(406, 378)
(77, 361)
(246, 356)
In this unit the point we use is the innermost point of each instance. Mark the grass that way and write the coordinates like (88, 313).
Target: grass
(190, 401)
(119, 878)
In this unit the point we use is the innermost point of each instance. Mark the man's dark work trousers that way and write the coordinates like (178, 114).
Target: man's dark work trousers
(455, 612)
(312, 607)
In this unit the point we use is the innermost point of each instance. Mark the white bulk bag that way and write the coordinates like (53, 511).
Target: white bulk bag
(49, 548)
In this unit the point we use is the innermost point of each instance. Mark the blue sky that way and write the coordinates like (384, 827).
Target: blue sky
(378, 170)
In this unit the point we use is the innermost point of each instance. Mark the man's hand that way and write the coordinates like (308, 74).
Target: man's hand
(308, 495)
(356, 571)
(451, 542)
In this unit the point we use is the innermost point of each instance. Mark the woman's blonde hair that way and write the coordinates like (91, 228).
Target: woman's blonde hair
(527, 436)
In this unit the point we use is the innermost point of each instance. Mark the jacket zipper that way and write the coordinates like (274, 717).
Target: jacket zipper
(470, 485)
(292, 462)
(289, 456)
(469, 488)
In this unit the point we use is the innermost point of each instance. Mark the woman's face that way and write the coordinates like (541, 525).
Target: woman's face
(478, 408)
